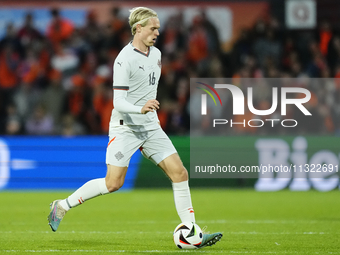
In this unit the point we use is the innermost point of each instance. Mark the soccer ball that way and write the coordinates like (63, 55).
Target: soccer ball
(188, 235)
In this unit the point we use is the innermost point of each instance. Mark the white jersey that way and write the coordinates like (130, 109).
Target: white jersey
(138, 73)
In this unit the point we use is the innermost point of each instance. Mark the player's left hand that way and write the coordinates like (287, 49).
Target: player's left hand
(150, 106)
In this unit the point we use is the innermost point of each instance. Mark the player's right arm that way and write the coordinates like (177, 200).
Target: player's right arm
(122, 105)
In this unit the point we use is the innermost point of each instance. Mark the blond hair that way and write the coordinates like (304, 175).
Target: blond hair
(140, 15)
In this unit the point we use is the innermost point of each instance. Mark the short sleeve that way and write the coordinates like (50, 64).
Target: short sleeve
(121, 74)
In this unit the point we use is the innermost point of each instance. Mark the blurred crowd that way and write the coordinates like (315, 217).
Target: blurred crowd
(60, 82)
(289, 58)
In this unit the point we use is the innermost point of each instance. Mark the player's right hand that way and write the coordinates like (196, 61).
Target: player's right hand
(150, 106)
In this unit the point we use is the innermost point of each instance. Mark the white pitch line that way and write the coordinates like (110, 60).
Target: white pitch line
(161, 232)
(276, 233)
(158, 251)
(84, 232)
(224, 221)
(201, 222)
(93, 251)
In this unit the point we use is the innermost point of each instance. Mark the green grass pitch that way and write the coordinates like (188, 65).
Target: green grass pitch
(142, 221)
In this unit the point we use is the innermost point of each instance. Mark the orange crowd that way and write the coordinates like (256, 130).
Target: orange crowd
(60, 82)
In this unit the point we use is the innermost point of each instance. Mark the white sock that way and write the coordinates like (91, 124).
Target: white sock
(183, 201)
(89, 190)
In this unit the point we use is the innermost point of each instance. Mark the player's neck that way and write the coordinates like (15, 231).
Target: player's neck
(139, 45)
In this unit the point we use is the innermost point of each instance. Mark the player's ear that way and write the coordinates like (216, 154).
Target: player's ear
(138, 28)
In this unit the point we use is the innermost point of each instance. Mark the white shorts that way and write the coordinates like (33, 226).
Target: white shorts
(155, 145)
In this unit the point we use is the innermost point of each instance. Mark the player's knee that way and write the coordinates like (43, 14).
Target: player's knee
(184, 175)
(180, 175)
(114, 186)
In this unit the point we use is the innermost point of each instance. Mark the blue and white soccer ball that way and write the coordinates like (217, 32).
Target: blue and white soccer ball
(188, 235)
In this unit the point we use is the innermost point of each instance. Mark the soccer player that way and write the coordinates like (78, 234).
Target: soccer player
(134, 125)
